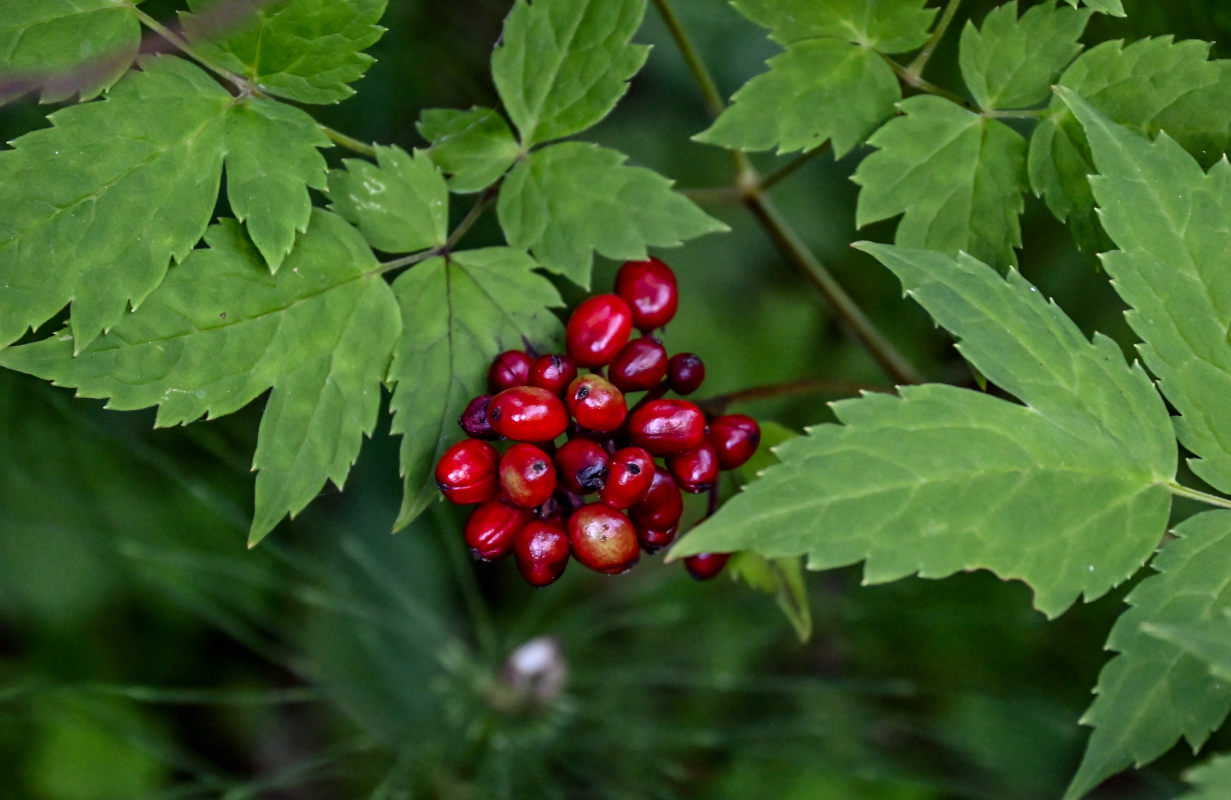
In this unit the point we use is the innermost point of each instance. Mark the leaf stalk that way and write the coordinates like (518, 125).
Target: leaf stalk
(1179, 490)
(915, 68)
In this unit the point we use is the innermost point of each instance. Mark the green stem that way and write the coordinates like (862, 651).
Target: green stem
(910, 79)
(719, 403)
(938, 33)
(709, 89)
(349, 142)
(472, 216)
(789, 169)
(1031, 113)
(1193, 494)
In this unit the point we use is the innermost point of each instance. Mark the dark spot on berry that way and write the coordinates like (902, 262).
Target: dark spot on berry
(633, 469)
(583, 392)
(495, 414)
(592, 478)
(537, 467)
(755, 438)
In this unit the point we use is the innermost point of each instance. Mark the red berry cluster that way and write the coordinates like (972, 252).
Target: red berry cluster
(537, 499)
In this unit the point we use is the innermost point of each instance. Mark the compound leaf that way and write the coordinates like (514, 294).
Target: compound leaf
(1153, 693)
(474, 147)
(887, 26)
(819, 89)
(562, 65)
(400, 203)
(1113, 7)
(304, 50)
(93, 209)
(65, 47)
(569, 200)
(221, 330)
(1066, 493)
(955, 176)
(1171, 222)
(1011, 62)
(460, 313)
(1149, 85)
(272, 159)
(1210, 780)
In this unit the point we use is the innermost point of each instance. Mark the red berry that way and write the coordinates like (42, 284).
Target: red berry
(735, 438)
(603, 539)
(639, 365)
(510, 368)
(595, 403)
(581, 466)
(527, 414)
(542, 550)
(629, 478)
(704, 566)
(474, 419)
(491, 527)
(466, 472)
(527, 476)
(695, 470)
(662, 506)
(653, 541)
(685, 373)
(553, 372)
(597, 330)
(650, 289)
(666, 426)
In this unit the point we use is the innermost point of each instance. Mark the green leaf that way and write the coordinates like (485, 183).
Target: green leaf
(1112, 7)
(474, 147)
(272, 159)
(888, 26)
(65, 47)
(569, 200)
(562, 65)
(1149, 85)
(304, 50)
(1207, 640)
(1067, 493)
(1172, 223)
(93, 209)
(1011, 62)
(1210, 780)
(817, 90)
(460, 313)
(401, 203)
(781, 577)
(956, 177)
(1153, 693)
(221, 330)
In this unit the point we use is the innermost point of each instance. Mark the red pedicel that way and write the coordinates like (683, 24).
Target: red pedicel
(553, 372)
(542, 550)
(603, 539)
(650, 289)
(639, 365)
(527, 476)
(629, 477)
(510, 368)
(598, 329)
(735, 438)
(490, 528)
(595, 403)
(662, 506)
(581, 466)
(466, 472)
(685, 373)
(695, 470)
(667, 426)
(704, 566)
(527, 414)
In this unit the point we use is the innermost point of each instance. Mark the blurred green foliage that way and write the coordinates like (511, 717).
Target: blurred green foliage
(145, 652)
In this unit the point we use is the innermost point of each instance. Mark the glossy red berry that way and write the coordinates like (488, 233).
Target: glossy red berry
(597, 330)
(704, 566)
(527, 476)
(653, 541)
(466, 472)
(542, 550)
(667, 426)
(695, 470)
(491, 527)
(639, 365)
(629, 477)
(527, 414)
(685, 373)
(510, 368)
(650, 289)
(474, 419)
(581, 466)
(662, 506)
(603, 539)
(595, 403)
(553, 372)
(735, 438)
